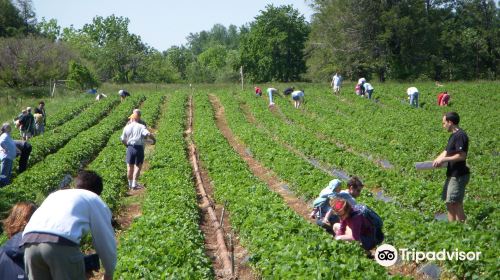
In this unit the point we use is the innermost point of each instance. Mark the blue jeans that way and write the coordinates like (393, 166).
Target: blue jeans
(414, 100)
(370, 92)
(5, 171)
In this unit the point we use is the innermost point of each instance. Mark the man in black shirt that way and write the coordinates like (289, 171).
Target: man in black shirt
(457, 172)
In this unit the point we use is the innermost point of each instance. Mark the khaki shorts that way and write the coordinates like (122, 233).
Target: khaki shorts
(454, 188)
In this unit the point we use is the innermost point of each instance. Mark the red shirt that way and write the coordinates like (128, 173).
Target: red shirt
(359, 225)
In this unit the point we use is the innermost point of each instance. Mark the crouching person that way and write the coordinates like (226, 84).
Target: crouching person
(322, 211)
(355, 225)
(52, 236)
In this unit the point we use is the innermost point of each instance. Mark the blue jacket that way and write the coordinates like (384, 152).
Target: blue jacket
(12, 259)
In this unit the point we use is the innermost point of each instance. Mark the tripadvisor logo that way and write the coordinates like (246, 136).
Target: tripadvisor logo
(387, 255)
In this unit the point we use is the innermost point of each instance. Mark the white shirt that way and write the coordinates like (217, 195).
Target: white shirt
(412, 90)
(368, 86)
(71, 214)
(134, 133)
(298, 93)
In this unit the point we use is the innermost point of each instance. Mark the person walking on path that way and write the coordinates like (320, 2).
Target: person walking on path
(133, 137)
(27, 124)
(11, 253)
(41, 121)
(336, 83)
(52, 236)
(457, 172)
(368, 90)
(7, 154)
(413, 96)
(298, 98)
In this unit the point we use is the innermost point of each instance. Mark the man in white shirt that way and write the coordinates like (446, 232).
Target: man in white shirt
(336, 83)
(413, 96)
(52, 236)
(133, 137)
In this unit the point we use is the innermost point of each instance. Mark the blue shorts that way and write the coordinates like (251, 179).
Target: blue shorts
(135, 154)
(296, 97)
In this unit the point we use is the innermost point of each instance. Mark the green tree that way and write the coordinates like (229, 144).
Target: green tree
(155, 67)
(80, 77)
(48, 29)
(32, 61)
(180, 58)
(11, 22)
(107, 43)
(273, 48)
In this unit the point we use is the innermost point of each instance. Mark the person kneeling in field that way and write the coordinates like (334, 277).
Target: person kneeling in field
(353, 226)
(322, 211)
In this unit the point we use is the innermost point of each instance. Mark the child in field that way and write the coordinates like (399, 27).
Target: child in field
(321, 207)
(258, 91)
(357, 89)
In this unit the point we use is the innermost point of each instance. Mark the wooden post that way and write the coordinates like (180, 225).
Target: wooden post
(241, 74)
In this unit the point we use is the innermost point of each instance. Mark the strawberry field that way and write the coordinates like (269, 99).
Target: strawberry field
(330, 136)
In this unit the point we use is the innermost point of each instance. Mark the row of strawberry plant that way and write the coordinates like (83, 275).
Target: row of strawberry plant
(167, 235)
(53, 140)
(282, 244)
(110, 161)
(406, 189)
(45, 176)
(70, 111)
(404, 228)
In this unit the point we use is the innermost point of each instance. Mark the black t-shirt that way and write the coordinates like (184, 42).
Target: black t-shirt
(458, 142)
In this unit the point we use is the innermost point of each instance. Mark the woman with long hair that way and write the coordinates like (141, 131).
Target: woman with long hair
(11, 255)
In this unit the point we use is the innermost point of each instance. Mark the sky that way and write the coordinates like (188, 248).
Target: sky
(162, 24)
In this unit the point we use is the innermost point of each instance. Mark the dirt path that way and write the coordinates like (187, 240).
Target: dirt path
(266, 175)
(131, 207)
(240, 256)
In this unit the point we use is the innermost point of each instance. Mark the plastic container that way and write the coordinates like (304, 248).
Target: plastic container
(425, 165)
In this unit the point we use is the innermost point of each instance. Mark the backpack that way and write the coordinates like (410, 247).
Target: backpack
(375, 220)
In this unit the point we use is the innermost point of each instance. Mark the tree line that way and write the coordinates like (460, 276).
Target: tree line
(387, 39)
